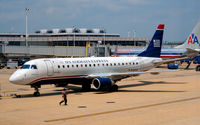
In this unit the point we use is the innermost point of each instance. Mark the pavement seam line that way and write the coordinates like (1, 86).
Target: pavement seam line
(120, 110)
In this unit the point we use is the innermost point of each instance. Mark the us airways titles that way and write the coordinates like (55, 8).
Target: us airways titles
(87, 61)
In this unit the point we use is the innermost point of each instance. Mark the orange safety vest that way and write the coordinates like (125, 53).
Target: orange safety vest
(64, 94)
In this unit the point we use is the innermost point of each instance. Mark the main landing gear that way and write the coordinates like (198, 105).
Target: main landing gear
(113, 88)
(86, 87)
(198, 68)
(36, 93)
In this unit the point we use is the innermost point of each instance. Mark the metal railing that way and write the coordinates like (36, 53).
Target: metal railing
(70, 38)
(44, 50)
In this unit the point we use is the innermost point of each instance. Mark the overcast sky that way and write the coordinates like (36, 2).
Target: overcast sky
(116, 16)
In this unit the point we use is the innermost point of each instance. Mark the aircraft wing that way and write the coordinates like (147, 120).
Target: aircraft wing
(170, 61)
(118, 76)
(191, 53)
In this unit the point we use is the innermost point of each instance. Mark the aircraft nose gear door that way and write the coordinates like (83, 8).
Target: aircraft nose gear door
(49, 66)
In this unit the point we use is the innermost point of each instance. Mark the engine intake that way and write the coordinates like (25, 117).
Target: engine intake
(102, 83)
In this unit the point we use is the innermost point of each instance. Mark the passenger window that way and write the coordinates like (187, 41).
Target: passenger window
(119, 64)
(72, 65)
(81, 65)
(33, 67)
(110, 64)
(85, 65)
(133, 63)
(63, 66)
(67, 66)
(94, 65)
(77, 66)
(58, 66)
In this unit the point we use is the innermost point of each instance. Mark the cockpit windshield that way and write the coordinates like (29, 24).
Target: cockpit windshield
(33, 67)
(25, 67)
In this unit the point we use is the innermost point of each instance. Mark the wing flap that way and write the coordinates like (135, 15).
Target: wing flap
(126, 74)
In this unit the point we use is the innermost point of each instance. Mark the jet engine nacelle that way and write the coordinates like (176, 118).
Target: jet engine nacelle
(102, 83)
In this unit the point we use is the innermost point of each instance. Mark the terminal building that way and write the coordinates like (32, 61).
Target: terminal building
(69, 42)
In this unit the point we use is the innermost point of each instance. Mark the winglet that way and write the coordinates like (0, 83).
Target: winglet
(154, 48)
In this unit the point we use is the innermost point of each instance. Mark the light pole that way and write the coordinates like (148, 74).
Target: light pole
(104, 30)
(134, 33)
(74, 30)
(26, 11)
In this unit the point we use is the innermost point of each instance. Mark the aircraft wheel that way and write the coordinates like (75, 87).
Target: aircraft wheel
(86, 87)
(36, 94)
(114, 88)
(198, 68)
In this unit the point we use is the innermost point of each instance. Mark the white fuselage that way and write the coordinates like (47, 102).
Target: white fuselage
(71, 68)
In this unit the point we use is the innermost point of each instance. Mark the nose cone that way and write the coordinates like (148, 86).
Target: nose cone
(16, 79)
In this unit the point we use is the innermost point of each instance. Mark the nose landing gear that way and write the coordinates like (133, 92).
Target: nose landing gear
(36, 93)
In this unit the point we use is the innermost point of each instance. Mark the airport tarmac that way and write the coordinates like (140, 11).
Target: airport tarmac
(170, 98)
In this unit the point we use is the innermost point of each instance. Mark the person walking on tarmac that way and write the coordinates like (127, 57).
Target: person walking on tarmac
(64, 96)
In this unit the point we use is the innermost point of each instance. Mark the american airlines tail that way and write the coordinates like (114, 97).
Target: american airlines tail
(154, 48)
(192, 41)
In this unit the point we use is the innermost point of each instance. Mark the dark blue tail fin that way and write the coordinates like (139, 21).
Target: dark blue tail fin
(154, 48)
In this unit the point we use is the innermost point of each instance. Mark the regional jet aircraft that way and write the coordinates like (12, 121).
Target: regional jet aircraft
(101, 72)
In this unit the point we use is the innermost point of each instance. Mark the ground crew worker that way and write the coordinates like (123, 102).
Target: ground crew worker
(64, 96)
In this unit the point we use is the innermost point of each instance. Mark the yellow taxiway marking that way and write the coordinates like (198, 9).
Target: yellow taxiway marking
(121, 110)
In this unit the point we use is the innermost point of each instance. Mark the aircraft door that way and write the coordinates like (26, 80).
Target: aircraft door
(141, 64)
(55, 66)
(49, 66)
